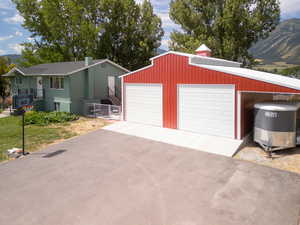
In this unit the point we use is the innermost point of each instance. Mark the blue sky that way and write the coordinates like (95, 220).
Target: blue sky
(12, 34)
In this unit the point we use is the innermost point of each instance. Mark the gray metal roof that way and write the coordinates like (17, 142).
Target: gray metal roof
(61, 68)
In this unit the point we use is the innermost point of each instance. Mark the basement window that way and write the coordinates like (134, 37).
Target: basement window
(57, 82)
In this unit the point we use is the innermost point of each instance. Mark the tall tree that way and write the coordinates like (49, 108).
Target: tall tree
(121, 30)
(228, 27)
(5, 67)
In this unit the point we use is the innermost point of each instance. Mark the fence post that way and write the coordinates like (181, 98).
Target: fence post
(109, 110)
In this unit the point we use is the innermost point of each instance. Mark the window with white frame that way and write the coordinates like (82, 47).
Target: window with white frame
(57, 82)
(18, 80)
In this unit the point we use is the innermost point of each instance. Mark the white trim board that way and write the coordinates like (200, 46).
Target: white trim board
(256, 75)
(239, 116)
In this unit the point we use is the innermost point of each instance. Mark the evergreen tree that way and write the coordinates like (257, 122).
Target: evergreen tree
(228, 27)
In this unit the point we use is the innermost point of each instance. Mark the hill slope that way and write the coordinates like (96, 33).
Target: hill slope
(13, 58)
(283, 44)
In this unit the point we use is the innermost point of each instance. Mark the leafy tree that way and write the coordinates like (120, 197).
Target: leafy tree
(293, 72)
(228, 27)
(5, 67)
(65, 30)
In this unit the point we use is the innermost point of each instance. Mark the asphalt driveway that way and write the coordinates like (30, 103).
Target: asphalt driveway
(114, 179)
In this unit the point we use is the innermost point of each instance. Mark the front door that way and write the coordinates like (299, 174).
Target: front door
(39, 87)
(111, 85)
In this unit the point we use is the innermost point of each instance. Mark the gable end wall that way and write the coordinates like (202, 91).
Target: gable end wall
(171, 70)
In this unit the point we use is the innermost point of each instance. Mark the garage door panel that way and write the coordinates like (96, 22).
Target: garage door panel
(143, 103)
(207, 109)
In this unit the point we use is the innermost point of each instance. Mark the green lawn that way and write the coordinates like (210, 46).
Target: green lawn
(35, 136)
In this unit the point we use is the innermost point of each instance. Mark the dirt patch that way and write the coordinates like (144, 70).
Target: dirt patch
(288, 159)
(79, 127)
(86, 125)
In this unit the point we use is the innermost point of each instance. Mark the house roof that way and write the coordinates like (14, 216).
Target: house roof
(257, 75)
(60, 68)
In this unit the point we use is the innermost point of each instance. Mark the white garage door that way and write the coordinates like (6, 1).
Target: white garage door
(206, 109)
(143, 103)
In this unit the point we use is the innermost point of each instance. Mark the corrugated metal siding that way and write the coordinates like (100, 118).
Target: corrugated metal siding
(171, 70)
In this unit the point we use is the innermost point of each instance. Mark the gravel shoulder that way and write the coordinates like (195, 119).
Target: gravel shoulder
(288, 159)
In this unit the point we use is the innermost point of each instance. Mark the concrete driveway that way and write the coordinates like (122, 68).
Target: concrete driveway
(114, 179)
(208, 143)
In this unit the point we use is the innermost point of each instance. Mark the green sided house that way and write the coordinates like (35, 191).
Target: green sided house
(67, 86)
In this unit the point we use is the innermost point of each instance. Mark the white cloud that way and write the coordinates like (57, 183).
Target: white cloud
(165, 43)
(30, 39)
(167, 22)
(15, 19)
(16, 47)
(2, 52)
(5, 4)
(18, 33)
(4, 38)
(290, 7)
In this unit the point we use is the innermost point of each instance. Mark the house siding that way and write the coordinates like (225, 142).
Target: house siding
(27, 83)
(171, 70)
(57, 95)
(101, 82)
(91, 85)
(78, 91)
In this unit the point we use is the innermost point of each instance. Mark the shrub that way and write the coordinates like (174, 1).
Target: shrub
(46, 118)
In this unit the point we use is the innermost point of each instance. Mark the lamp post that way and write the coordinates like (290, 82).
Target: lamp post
(22, 112)
(23, 133)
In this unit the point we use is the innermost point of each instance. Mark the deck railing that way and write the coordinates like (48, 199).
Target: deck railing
(35, 93)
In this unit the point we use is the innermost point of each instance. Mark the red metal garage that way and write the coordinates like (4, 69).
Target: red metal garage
(200, 94)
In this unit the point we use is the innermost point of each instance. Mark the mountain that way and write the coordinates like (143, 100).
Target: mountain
(283, 44)
(13, 58)
(160, 51)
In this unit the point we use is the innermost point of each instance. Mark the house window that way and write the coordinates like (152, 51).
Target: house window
(19, 80)
(57, 82)
(57, 106)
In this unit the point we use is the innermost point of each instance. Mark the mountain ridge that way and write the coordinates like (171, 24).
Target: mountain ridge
(283, 44)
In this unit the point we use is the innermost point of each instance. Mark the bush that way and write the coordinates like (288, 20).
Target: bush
(46, 118)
